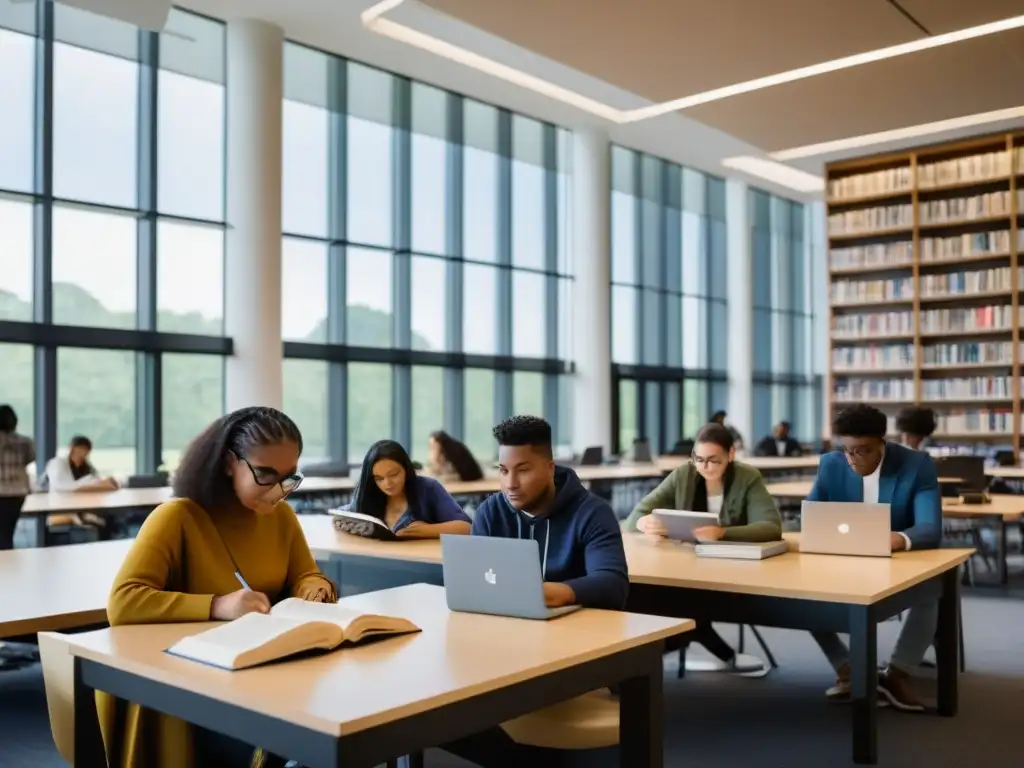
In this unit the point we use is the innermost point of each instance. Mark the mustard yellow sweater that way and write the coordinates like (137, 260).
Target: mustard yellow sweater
(172, 572)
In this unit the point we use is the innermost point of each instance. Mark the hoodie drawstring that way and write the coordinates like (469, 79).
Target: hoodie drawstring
(547, 540)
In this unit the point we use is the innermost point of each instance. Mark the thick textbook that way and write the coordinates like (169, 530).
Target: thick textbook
(742, 550)
(358, 524)
(292, 626)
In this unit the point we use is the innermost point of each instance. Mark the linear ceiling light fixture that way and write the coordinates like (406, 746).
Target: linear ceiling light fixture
(897, 134)
(373, 20)
(776, 172)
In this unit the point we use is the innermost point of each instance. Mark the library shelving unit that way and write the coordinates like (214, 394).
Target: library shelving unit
(926, 271)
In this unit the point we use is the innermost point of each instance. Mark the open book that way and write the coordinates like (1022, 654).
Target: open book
(292, 626)
(358, 524)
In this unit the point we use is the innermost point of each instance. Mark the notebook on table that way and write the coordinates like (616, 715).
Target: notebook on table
(742, 550)
(358, 524)
(292, 626)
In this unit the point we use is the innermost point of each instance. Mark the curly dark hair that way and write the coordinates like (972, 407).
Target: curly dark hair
(715, 434)
(916, 421)
(367, 498)
(8, 419)
(459, 456)
(525, 430)
(201, 476)
(860, 420)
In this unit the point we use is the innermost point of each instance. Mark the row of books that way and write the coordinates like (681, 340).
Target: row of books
(965, 283)
(981, 421)
(890, 180)
(971, 244)
(871, 324)
(995, 387)
(959, 170)
(857, 291)
(875, 255)
(966, 208)
(871, 219)
(968, 353)
(966, 320)
(859, 390)
(881, 356)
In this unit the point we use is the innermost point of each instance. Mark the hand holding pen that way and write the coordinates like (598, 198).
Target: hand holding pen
(238, 603)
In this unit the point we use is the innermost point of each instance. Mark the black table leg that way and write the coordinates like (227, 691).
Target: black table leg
(947, 644)
(642, 718)
(1004, 568)
(88, 739)
(864, 684)
(41, 530)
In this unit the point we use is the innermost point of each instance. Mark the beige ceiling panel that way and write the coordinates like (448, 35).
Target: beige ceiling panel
(961, 79)
(666, 49)
(941, 16)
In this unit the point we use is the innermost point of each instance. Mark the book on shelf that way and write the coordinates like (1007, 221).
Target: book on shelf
(968, 353)
(884, 356)
(882, 256)
(872, 324)
(960, 209)
(972, 388)
(292, 626)
(853, 390)
(884, 182)
(968, 319)
(867, 220)
(993, 280)
(960, 170)
(857, 291)
(970, 245)
(358, 524)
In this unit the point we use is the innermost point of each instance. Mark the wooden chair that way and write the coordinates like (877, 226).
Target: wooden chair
(59, 683)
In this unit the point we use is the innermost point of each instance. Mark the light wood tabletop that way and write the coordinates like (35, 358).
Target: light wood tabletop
(325, 540)
(799, 489)
(763, 463)
(828, 578)
(1008, 473)
(455, 657)
(55, 588)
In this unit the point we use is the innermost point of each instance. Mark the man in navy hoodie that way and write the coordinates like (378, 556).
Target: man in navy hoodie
(582, 558)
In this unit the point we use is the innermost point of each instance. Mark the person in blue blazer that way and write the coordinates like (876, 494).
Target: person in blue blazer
(867, 468)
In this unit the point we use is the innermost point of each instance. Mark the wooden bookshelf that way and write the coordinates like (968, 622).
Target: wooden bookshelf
(926, 272)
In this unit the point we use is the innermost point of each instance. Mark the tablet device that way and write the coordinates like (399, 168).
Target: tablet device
(680, 524)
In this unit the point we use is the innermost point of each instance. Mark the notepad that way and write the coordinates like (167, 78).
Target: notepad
(291, 627)
(358, 524)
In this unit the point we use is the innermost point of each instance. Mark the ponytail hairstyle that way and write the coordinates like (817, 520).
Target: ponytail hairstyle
(459, 456)
(202, 476)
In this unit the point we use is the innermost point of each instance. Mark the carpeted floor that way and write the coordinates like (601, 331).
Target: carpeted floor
(781, 721)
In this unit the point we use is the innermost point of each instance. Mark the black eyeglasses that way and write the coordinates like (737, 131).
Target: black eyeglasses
(706, 461)
(860, 452)
(267, 478)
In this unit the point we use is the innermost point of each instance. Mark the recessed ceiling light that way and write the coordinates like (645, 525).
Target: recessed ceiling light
(896, 134)
(373, 20)
(776, 172)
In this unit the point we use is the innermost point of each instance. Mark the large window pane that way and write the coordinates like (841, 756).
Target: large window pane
(528, 393)
(193, 397)
(566, 390)
(480, 182)
(528, 195)
(306, 399)
(96, 398)
(368, 314)
(695, 339)
(305, 169)
(627, 414)
(694, 255)
(695, 407)
(718, 318)
(190, 147)
(94, 268)
(427, 408)
(479, 414)
(429, 169)
(304, 291)
(624, 321)
(479, 300)
(17, 106)
(529, 324)
(95, 108)
(565, 319)
(370, 138)
(17, 383)
(429, 310)
(369, 407)
(190, 279)
(16, 255)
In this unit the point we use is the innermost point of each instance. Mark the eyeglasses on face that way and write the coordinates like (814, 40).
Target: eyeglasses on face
(859, 452)
(267, 478)
(706, 461)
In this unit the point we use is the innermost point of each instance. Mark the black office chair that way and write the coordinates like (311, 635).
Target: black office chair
(592, 456)
(641, 453)
(970, 470)
(327, 469)
(158, 480)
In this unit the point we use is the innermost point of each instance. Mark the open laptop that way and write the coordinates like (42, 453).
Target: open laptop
(502, 577)
(845, 528)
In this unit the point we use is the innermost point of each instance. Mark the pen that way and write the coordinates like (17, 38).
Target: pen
(238, 575)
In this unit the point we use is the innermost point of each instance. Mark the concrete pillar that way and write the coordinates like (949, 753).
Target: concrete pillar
(741, 309)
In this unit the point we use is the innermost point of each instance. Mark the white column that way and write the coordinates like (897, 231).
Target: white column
(741, 309)
(591, 318)
(252, 285)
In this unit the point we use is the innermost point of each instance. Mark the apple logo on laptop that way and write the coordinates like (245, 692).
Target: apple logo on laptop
(844, 528)
(491, 577)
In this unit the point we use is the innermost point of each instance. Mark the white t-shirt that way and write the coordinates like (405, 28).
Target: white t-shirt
(780, 447)
(871, 492)
(715, 505)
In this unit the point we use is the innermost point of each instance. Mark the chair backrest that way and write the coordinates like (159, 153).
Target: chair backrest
(59, 683)
(592, 456)
(970, 469)
(327, 469)
(682, 448)
(159, 480)
(642, 452)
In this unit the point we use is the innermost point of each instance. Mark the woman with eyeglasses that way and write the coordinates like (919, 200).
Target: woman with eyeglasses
(713, 482)
(411, 506)
(227, 545)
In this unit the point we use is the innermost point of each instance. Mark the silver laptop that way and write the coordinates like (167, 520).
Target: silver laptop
(845, 528)
(484, 574)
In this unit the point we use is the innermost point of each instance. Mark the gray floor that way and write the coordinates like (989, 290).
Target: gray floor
(777, 722)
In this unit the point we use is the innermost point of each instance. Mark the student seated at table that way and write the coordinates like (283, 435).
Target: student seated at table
(780, 443)
(870, 469)
(16, 453)
(412, 506)
(718, 417)
(582, 558)
(74, 472)
(450, 460)
(713, 481)
(916, 425)
(228, 545)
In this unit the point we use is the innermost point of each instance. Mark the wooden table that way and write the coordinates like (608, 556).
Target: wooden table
(57, 588)
(763, 463)
(793, 591)
(463, 673)
(1003, 508)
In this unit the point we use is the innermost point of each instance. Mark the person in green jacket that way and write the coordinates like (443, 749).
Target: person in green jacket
(713, 482)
